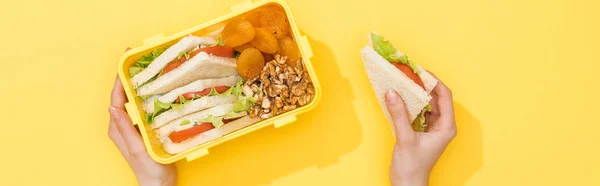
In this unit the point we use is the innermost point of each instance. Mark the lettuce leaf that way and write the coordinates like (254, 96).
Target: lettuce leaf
(182, 100)
(184, 54)
(145, 97)
(217, 121)
(419, 123)
(388, 51)
(184, 122)
(243, 104)
(145, 60)
(237, 89)
(134, 70)
(159, 107)
(220, 41)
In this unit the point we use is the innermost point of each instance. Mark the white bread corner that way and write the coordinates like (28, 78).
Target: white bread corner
(201, 66)
(174, 148)
(185, 44)
(384, 76)
(195, 86)
(194, 106)
(428, 80)
(175, 125)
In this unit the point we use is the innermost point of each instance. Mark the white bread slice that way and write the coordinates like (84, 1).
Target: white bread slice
(195, 86)
(201, 66)
(174, 148)
(175, 125)
(384, 76)
(428, 80)
(194, 106)
(184, 45)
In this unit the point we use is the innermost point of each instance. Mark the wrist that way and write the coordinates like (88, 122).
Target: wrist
(412, 180)
(158, 182)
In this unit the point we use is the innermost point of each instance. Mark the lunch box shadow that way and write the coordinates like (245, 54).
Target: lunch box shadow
(316, 140)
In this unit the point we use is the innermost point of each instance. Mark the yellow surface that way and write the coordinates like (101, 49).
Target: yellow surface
(523, 75)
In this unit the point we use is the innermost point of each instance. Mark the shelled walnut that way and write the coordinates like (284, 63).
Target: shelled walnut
(280, 88)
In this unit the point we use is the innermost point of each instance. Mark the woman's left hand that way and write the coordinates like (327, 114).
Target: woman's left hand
(129, 142)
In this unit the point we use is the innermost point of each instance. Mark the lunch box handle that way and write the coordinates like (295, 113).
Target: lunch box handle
(154, 39)
(284, 121)
(133, 112)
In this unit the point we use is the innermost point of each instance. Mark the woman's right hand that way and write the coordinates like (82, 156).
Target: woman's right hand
(415, 153)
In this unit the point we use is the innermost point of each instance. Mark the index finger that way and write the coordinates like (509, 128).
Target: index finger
(445, 105)
(117, 97)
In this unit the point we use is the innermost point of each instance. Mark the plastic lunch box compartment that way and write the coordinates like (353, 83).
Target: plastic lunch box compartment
(134, 106)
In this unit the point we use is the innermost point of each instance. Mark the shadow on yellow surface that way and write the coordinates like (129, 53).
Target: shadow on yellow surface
(304, 144)
(466, 157)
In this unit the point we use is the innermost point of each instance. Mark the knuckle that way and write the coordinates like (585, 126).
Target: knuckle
(452, 133)
(112, 134)
(137, 155)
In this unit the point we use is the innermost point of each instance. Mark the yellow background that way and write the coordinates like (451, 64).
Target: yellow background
(524, 75)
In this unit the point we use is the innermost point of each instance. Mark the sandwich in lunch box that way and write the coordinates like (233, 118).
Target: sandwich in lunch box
(202, 88)
(190, 90)
(389, 69)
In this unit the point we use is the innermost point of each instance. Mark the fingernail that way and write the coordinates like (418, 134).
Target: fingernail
(391, 97)
(113, 112)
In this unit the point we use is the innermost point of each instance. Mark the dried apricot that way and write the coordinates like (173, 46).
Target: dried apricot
(237, 32)
(274, 19)
(243, 47)
(287, 47)
(254, 17)
(265, 41)
(250, 63)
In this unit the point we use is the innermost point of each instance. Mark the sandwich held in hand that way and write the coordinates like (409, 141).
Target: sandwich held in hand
(202, 88)
(389, 69)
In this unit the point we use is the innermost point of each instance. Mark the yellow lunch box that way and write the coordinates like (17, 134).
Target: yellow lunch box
(134, 106)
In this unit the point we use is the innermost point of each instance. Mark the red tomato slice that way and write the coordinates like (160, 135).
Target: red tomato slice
(179, 136)
(221, 51)
(206, 91)
(410, 73)
(173, 64)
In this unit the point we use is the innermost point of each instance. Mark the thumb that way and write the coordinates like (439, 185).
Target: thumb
(402, 126)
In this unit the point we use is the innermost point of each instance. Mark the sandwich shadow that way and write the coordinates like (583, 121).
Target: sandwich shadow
(464, 156)
(316, 140)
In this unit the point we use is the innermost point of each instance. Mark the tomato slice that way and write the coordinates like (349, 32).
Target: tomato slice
(179, 136)
(221, 51)
(410, 73)
(206, 91)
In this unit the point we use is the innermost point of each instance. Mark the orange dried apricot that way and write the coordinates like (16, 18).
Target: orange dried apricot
(289, 48)
(274, 19)
(237, 32)
(250, 63)
(254, 18)
(265, 41)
